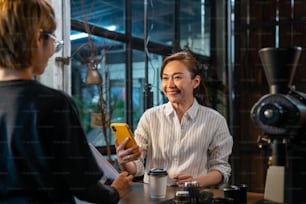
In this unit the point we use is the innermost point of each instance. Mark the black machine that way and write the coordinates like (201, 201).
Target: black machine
(281, 115)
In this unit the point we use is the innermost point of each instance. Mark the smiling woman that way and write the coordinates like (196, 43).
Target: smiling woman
(190, 140)
(188, 63)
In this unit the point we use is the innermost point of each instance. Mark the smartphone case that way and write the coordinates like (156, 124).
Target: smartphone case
(122, 131)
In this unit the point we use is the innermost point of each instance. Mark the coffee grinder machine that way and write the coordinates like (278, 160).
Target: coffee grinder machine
(281, 115)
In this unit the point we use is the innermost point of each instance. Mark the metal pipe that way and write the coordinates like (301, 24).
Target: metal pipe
(128, 66)
(231, 87)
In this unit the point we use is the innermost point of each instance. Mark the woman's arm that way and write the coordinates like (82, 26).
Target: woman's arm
(212, 178)
(219, 151)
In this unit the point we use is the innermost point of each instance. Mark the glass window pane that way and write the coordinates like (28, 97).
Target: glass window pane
(111, 67)
(160, 18)
(108, 14)
(195, 25)
(194, 18)
(139, 82)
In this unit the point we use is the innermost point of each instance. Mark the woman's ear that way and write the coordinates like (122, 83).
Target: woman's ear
(39, 38)
(197, 81)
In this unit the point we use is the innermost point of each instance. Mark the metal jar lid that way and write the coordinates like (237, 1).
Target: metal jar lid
(181, 196)
(193, 184)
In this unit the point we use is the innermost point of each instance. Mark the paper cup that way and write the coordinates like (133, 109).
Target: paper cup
(158, 182)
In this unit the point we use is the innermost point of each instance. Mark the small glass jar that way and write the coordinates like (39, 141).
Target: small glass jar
(181, 197)
(194, 191)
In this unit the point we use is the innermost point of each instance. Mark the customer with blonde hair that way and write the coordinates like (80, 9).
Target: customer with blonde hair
(45, 157)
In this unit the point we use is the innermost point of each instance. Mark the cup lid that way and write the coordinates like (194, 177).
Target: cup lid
(181, 196)
(158, 172)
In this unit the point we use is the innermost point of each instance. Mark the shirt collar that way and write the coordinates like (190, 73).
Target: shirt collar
(191, 112)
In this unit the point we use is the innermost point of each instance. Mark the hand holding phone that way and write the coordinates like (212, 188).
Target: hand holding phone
(121, 132)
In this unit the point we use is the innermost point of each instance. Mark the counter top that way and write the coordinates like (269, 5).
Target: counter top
(140, 194)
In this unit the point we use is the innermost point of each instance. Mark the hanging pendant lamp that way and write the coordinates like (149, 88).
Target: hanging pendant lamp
(93, 75)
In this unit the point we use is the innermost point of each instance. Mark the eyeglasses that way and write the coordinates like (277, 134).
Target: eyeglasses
(58, 43)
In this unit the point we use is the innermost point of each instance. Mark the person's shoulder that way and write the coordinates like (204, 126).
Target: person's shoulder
(210, 111)
(52, 95)
(156, 109)
(50, 90)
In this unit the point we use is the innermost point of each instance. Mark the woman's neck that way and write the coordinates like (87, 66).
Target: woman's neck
(10, 74)
(181, 108)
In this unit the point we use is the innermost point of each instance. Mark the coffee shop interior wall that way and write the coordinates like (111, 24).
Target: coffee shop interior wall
(238, 30)
(260, 24)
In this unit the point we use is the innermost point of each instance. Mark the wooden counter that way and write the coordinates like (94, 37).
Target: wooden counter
(140, 195)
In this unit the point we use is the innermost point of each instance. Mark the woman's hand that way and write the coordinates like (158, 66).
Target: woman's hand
(182, 178)
(213, 177)
(126, 155)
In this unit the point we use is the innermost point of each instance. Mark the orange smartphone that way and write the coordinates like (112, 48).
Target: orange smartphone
(122, 131)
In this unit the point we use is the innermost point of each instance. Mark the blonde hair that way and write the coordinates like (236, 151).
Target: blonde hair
(20, 20)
